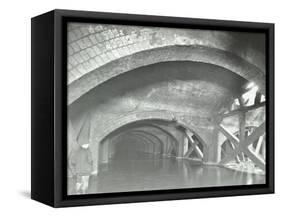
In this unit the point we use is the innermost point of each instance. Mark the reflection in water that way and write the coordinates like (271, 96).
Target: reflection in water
(136, 171)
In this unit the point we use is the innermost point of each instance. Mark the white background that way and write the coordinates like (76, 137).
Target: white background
(15, 106)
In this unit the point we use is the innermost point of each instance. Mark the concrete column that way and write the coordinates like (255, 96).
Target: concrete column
(154, 149)
(145, 148)
(104, 152)
(111, 149)
(186, 146)
(211, 151)
(71, 140)
(95, 153)
(94, 147)
(151, 149)
(170, 147)
(165, 146)
(180, 148)
(71, 144)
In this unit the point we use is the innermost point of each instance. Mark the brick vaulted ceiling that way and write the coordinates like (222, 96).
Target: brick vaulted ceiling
(195, 89)
(97, 53)
(91, 46)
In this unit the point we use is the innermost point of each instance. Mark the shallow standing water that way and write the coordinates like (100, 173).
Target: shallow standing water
(140, 171)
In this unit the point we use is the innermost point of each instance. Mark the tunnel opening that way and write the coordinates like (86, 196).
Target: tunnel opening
(152, 137)
(149, 154)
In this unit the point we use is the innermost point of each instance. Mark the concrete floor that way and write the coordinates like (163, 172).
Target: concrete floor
(140, 171)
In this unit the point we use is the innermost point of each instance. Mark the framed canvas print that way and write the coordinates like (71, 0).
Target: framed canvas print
(134, 108)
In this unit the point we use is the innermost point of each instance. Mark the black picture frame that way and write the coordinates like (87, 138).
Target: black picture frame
(49, 108)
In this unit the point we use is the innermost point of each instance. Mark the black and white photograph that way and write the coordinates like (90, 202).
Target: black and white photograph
(140, 108)
(159, 108)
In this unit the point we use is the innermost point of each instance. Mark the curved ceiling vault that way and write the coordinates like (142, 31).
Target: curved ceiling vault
(98, 53)
(181, 87)
(196, 54)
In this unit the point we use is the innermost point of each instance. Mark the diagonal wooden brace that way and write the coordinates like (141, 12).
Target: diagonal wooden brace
(243, 147)
(194, 147)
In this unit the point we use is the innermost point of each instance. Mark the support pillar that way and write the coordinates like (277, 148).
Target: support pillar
(180, 148)
(111, 149)
(185, 146)
(166, 146)
(151, 148)
(147, 150)
(94, 147)
(71, 145)
(71, 138)
(104, 152)
(212, 150)
(95, 153)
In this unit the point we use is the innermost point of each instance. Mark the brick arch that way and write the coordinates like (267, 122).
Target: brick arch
(162, 130)
(143, 139)
(139, 131)
(107, 128)
(194, 53)
(147, 125)
(145, 133)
